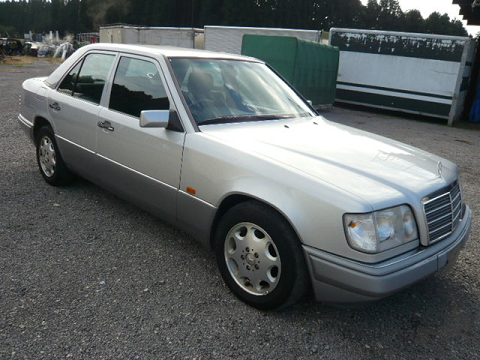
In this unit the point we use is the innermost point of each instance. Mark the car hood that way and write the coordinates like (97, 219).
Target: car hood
(374, 168)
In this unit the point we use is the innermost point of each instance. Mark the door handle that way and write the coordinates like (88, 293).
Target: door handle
(55, 106)
(107, 125)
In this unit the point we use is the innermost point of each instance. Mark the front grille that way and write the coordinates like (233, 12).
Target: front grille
(443, 212)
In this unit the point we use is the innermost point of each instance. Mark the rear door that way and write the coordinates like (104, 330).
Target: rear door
(141, 164)
(74, 107)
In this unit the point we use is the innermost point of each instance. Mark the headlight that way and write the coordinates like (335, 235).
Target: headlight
(381, 230)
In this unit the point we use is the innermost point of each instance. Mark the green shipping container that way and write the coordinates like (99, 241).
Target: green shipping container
(311, 68)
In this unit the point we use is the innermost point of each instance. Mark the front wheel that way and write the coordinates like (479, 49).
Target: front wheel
(49, 160)
(260, 257)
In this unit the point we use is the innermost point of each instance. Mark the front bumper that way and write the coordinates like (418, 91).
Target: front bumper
(339, 280)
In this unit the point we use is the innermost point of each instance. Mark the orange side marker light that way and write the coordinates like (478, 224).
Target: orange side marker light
(191, 191)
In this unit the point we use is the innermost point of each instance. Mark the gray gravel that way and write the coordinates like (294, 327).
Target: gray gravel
(85, 275)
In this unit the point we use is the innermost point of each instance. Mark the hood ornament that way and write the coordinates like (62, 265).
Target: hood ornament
(439, 169)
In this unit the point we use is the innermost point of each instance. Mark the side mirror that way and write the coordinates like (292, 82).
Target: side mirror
(154, 118)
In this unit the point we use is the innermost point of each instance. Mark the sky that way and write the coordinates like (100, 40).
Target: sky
(426, 7)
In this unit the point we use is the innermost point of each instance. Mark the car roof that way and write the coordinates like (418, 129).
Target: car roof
(145, 50)
(168, 51)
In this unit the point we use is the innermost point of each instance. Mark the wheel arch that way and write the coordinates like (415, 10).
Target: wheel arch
(294, 279)
(234, 199)
(38, 123)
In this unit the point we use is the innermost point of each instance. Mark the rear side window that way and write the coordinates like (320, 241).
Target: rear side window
(92, 77)
(137, 86)
(68, 82)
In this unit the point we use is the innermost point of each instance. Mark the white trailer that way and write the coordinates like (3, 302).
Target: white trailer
(416, 73)
(169, 36)
(229, 38)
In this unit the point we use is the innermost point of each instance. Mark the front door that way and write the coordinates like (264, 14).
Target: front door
(140, 164)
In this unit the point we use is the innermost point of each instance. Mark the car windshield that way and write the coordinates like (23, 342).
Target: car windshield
(220, 91)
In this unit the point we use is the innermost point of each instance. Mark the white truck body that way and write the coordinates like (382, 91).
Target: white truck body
(417, 73)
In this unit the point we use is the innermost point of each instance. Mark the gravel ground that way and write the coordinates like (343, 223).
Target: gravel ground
(85, 275)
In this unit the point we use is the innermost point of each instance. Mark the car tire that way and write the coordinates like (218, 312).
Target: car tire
(50, 162)
(260, 256)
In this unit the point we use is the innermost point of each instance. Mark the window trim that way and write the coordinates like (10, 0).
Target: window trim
(81, 61)
(154, 61)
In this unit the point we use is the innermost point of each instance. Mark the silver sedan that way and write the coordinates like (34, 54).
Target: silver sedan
(220, 146)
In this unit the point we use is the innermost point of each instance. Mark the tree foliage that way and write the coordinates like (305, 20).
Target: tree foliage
(72, 16)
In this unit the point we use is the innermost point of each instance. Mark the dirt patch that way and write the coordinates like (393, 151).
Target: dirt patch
(25, 61)
(17, 61)
(11, 70)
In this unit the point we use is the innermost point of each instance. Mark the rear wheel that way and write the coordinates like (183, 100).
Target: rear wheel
(260, 257)
(49, 160)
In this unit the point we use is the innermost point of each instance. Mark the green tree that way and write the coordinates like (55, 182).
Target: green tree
(239, 13)
(457, 28)
(84, 21)
(390, 16)
(414, 22)
(208, 13)
(371, 15)
(347, 13)
(74, 16)
(56, 18)
(437, 23)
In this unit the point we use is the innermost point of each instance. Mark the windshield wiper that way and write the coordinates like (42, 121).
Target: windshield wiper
(232, 119)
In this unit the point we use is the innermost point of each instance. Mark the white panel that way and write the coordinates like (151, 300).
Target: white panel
(131, 36)
(396, 94)
(397, 72)
(160, 36)
(229, 38)
(104, 37)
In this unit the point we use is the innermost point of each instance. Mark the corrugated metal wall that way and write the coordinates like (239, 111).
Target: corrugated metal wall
(310, 67)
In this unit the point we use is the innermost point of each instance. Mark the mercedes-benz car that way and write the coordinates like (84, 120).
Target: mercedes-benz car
(221, 146)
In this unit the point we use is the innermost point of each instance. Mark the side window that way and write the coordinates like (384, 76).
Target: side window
(92, 77)
(137, 86)
(68, 82)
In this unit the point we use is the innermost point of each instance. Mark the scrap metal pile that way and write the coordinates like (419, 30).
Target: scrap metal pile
(44, 45)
